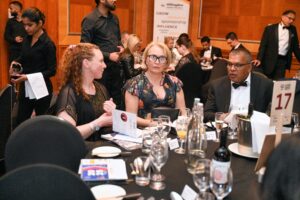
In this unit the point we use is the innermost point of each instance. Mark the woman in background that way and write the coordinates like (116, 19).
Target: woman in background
(154, 87)
(38, 55)
(131, 56)
(82, 101)
(186, 49)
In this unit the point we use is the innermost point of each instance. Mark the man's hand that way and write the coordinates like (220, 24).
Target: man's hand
(121, 49)
(19, 39)
(114, 56)
(256, 62)
(20, 79)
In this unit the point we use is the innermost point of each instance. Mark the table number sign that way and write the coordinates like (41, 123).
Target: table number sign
(282, 101)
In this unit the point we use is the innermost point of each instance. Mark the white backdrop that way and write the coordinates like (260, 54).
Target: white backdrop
(171, 18)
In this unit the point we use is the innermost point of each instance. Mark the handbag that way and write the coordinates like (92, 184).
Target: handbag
(171, 112)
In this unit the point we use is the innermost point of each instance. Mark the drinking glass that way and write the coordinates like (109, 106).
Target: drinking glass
(201, 178)
(159, 156)
(221, 181)
(16, 70)
(295, 121)
(219, 124)
(164, 122)
(232, 124)
(181, 129)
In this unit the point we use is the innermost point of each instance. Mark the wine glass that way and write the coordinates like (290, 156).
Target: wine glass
(17, 69)
(158, 155)
(232, 124)
(221, 181)
(201, 178)
(181, 129)
(295, 121)
(164, 123)
(219, 124)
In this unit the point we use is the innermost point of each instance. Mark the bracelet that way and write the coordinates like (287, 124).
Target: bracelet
(94, 127)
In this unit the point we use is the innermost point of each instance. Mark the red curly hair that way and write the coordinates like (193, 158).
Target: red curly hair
(71, 65)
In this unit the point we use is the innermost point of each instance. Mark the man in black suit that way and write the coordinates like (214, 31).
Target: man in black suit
(209, 52)
(276, 46)
(239, 88)
(233, 41)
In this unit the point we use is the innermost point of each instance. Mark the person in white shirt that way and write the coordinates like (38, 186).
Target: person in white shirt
(278, 43)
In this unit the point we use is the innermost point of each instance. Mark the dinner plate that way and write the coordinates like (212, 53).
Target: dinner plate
(234, 149)
(205, 68)
(107, 190)
(106, 151)
(214, 124)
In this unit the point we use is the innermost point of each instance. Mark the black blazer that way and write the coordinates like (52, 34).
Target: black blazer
(219, 95)
(240, 47)
(268, 49)
(214, 51)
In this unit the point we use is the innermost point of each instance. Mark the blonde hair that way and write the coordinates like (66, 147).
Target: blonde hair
(165, 49)
(71, 64)
(132, 41)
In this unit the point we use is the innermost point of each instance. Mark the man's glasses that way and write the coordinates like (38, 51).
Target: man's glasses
(161, 59)
(236, 65)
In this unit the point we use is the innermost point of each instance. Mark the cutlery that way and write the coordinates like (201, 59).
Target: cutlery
(126, 196)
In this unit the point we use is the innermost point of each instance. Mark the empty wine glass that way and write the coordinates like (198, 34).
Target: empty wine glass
(221, 181)
(295, 121)
(219, 124)
(201, 178)
(159, 156)
(181, 129)
(164, 122)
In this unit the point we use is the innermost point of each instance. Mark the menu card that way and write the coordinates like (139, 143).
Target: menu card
(125, 123)
(102, 169)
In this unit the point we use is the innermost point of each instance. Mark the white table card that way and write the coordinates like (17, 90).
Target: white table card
(125, 123)
(282, 101)
(173, 144)
(188, 193)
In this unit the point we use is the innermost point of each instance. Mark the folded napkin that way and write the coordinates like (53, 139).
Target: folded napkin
(35, 86)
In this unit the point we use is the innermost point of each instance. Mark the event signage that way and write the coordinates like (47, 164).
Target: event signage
(171, 18)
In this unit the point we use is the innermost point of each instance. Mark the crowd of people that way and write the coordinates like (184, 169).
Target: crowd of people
(109, 69)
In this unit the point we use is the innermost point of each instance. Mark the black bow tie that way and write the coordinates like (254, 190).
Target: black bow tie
(236, 85)
(286, 27)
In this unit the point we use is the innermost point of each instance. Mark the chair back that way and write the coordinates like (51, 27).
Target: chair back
(43, 182)
(219, 70)
(45, 139)
(7, 98)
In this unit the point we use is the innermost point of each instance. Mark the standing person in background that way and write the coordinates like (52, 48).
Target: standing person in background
(278, 43)
(233, 41)
(209, 53)
(38, 55)
(101, 27)
(185, 47)
(131, 57)
(14, 30)
(170, 41)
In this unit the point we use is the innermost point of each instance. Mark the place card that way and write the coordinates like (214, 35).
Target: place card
(282, 101)
(125, 123)
(173, 144)
(188, 193)
(211, 135)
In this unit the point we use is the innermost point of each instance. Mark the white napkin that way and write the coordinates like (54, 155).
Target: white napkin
(228, 119)
(35, 86)
(260, 128)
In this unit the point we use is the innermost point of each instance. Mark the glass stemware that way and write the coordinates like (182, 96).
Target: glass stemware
(181, 129)
(219, 124)
(295, 121)
(17, 69)
(221, 181)
(201, 178)
(164, 123)
(159, 156)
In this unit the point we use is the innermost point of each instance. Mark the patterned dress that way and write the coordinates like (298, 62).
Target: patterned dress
(141, 87)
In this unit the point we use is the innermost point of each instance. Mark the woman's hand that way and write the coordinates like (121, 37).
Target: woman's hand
(104, 120)
(109, 106)
(20, 79)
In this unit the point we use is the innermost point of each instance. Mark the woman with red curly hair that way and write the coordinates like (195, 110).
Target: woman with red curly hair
(82, 101)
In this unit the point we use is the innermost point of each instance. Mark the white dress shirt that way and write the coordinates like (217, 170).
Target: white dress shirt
(207, 53)
(283, 38)
(240, 97)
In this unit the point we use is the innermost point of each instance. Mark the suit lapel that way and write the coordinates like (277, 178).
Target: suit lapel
(227, 96)
(276, 34)
(253, 87)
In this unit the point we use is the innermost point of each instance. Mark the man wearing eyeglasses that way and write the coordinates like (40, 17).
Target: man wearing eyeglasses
(239, 87)
(278, 43)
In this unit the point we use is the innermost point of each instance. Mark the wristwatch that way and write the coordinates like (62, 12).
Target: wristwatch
(94, 127)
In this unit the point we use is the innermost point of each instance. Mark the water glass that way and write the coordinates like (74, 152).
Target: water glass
(201, 178)
(219, 124)
(164, 123)
(221, 181)
(147, 140)
(142, 168)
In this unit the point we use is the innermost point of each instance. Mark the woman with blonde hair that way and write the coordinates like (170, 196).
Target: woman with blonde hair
(130, 56)
(82, 101)
(154, 87)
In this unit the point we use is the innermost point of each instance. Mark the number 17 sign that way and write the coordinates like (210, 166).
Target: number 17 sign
(282, 101)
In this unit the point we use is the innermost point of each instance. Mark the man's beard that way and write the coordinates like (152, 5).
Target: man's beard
(110, 6)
